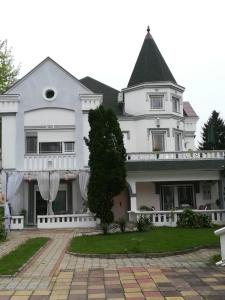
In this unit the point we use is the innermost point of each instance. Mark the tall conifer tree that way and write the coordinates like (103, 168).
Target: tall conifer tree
(213, 133)
(107, 162)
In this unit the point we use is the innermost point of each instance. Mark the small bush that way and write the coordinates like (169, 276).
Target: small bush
(122, 224)
(143, 223)
(105, 228)
(189, 219)
(2, 227)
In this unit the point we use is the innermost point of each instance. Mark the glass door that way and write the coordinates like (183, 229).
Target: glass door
(59, 206)
(185, 196)
(167, 197)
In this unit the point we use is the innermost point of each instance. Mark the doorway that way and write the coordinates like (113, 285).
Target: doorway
(167, 193)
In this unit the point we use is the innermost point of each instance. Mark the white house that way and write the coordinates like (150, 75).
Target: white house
(45, 118)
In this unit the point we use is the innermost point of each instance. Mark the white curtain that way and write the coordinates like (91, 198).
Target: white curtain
(83, 182)
(54, 187)
(47, 192)
(7, 216)
(13, 184)
(43, 184)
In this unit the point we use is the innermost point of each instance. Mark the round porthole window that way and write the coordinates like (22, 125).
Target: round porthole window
(49, 94)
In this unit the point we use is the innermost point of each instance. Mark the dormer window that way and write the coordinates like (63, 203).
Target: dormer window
(156, 101)
(176, 104)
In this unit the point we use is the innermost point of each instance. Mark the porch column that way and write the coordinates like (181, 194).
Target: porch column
(221, 184)
(133, 197)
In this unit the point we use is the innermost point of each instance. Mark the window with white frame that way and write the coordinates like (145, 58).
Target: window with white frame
(176, 104)
(158, 140)
(50, 147)
(69, 147)
(178, 141)
(31, 142)
(156, 101)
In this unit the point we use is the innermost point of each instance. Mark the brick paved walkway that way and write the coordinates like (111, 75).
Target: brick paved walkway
(56, 275)
(132, 283)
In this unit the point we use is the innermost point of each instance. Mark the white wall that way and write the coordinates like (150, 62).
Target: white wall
(86, 129)
(137, 104)
(137, 101)
(146, 195)
(140, 131)
(56, 136)
(49, 117)
(8, 142)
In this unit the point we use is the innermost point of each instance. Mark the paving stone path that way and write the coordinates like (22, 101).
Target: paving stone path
(54, 274)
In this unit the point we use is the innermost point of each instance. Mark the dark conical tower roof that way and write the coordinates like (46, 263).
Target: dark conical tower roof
(150, 65)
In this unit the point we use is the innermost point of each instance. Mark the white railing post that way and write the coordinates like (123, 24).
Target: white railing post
(66, 221)
(176, 155)
(17, 223)
(221, 233)
(40, 162)
(170, 218)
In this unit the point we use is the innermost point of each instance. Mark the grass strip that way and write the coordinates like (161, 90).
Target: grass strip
(13, 261)
(156, 240)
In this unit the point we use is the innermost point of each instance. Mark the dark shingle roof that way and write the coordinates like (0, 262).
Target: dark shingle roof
(188, 110)
(110, 95)
(150, 65)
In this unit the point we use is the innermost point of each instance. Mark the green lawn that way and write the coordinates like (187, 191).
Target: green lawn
(10, 263)
(158, 240)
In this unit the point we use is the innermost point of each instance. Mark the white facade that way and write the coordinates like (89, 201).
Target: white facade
(44, 122)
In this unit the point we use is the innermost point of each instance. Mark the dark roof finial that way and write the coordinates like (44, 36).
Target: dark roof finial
(148, 29)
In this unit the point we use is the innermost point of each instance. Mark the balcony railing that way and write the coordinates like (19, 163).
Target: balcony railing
(49, 162)
(182, 155)
(169, 218)
(66, 221)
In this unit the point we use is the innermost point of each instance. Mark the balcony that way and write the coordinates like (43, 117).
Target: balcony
(181, 155)
(49, 162)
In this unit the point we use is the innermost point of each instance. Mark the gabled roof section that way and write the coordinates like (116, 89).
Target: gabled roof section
(188, 110)
(150, 65)
(38, 66)
(110, 95)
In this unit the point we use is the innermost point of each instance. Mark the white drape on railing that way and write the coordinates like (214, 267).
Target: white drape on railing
(7, 216)
(13, 183)
(83, 182)
(48, 184)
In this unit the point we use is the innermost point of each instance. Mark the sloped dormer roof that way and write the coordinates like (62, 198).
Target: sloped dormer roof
(110, 95)
(188, 110)
(150, 65)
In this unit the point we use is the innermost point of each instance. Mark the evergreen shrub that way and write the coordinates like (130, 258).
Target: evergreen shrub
(190, 219)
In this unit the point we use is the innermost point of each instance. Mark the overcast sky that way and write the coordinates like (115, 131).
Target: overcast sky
(102, 39)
